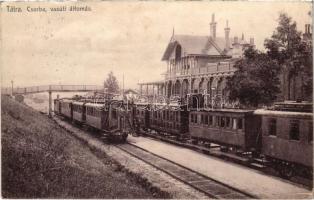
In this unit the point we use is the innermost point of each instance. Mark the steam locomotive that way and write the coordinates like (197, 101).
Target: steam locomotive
(282, 137)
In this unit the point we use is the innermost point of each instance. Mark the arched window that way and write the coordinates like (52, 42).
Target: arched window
(178, 52)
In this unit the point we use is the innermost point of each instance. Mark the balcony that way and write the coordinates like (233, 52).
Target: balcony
(209, 69)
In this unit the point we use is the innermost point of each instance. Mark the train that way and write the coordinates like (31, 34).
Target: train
(109, 117)
(281, 137)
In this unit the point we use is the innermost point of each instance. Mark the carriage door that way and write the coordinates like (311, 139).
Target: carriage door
(121, 123)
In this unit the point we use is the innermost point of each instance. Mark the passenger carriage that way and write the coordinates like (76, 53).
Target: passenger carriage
(66, 108)
(226, 127)
(169, 118)
(109, 118)
(287, 139)
(78, 109)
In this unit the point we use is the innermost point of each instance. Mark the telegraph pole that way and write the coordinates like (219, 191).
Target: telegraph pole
(12, 87)
(123, 85)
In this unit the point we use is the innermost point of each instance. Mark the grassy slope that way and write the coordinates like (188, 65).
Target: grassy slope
(41, 160)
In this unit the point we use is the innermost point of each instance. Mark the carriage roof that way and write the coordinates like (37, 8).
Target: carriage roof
(283, 113)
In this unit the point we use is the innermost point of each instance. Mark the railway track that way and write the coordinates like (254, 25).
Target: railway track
(212, 188)
(257, 164)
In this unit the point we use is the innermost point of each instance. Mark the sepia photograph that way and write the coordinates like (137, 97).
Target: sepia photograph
(156, 99)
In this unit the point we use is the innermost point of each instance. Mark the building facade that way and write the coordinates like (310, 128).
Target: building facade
(199, 64)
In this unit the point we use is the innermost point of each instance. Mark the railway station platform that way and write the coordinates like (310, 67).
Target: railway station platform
(235, 175)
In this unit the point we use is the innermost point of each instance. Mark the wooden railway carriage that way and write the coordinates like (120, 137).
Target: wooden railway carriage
(287, 139)
(169, 118)
(96, 115)
(227, 127)
(66, 108)
(108, 117)
(56, 106)
(78, 111)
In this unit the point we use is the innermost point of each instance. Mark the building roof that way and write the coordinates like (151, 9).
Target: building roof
(196, 45)
(200, 45)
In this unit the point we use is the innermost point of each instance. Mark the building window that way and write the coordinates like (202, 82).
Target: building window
(272, 126)
(294, 130)
(310, 136)
(178, 52)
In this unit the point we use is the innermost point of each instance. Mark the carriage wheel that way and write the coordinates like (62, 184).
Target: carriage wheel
(286, 171)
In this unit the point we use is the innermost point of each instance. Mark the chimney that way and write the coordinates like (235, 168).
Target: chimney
(227, 31)
(213, 27)
(252, 41)
(235, 41)
(307, 29)
(242, 36)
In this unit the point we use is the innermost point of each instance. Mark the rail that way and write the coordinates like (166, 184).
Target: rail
(211, 187)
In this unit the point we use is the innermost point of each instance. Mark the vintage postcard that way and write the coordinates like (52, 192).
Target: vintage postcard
(157, 99)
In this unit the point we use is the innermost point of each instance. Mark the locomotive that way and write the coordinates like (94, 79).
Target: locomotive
(281, 138)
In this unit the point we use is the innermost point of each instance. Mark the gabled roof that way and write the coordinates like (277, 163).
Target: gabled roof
(196, 45)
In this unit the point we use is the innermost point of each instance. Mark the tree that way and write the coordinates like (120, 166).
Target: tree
(111, 83)
(293, 54)
(256, 80)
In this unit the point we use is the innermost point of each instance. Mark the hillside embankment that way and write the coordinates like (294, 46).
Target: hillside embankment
(42, 160)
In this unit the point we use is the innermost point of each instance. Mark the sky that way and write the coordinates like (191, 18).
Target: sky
(126, 37)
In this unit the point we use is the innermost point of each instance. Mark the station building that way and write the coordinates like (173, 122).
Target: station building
(198, 64)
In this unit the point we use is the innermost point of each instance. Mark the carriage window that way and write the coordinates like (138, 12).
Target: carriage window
(294, 130)
(240, 122)
(217, 120)
(227, 122)
(210, 120)
(222, 122)
(272, 127)
(195, 118)
(206, 119)
(310, 138)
